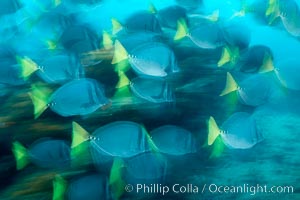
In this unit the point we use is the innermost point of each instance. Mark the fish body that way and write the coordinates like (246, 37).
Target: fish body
(254, 58)
(60, 68)
(290, 16)
(153, 59)
(122, 139)
(174, 140)
(169, 16)
(50, 153)
(79, 39)
(143, 21)
(240, 132)
(155, 90)
(78, 97)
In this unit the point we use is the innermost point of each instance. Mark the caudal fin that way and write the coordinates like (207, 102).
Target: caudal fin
(115, 178)
(267, 65)
(79, 146)
(79, 135)
(120, 53)
(59, 188)
(27, 65)
(230, 86)
(116, 26)
(123, 80)
(152, 9)
(182, 29)
(21, 155)
(229, 55)
(272, 12)
(214, 17)
(39, 97)
(107, 41)
(51, 44)
(213, 131)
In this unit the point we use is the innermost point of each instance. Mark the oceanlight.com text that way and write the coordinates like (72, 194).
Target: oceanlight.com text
(207, 188)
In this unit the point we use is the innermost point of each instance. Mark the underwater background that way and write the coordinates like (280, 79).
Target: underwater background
(112, 99)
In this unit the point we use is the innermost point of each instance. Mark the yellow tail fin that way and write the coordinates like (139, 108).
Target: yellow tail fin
(229, 55)
(107, 41)
(79, 146)
(39, 97)
(267, 65)
(59, 188)
(27, 66)
(123, 80)
(231, 85)
(182, 29)
(51, 44)
(273, 10)
(213, 131)
(79, 135)
(152, 9)
(56, 3)
(116, 26)
(21, 155)
(120, 53)
(214, 16)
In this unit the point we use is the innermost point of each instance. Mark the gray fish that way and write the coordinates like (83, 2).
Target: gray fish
(174, 140)
(289, 13)
(149, 59)
(45, 153)
(254, 90)
(122, 139)
(169, 16)
(253, 59)
(155, 90)
(239, 131)
(207, 34)
(79, 39)
(65, 101)
(60, 69)
(131, 40)
(50, 26)
(142, 21)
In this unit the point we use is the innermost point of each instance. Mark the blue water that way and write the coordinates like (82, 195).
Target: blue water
(185, 98)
